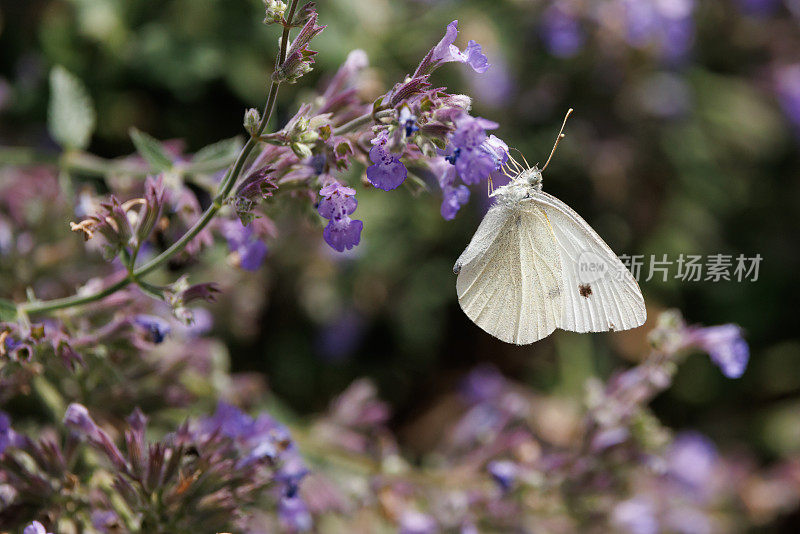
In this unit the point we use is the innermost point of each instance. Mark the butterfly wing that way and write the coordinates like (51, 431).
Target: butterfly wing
(509, 277)
(600, 294)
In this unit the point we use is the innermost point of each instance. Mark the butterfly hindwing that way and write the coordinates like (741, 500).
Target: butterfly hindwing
(600, 294)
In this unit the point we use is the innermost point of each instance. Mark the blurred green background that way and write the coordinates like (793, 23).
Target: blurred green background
(694, 154)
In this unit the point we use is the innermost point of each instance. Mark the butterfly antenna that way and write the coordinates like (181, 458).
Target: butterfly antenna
(558, 139)
(523, 158)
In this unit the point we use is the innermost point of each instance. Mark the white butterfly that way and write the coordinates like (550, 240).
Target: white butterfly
(535, 265)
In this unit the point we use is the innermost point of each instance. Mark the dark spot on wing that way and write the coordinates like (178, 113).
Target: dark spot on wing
(585, 290)
(456, 268)
(611, 327)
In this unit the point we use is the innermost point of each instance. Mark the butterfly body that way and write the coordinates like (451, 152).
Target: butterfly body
(535, 265)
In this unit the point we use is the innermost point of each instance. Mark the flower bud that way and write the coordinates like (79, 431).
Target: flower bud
(251, 121)
(274, 11)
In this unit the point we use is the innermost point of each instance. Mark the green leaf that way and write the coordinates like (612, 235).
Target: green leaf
(8, 310)
(220, 153)
(71, 115)
(151, 150)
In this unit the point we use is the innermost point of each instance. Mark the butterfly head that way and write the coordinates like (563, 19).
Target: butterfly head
(531, 177)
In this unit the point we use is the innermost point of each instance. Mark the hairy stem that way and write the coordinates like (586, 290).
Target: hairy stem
(364, 119)
(225, 188)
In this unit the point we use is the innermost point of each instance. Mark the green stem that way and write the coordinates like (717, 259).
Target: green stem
(225, 188)
(364, 119)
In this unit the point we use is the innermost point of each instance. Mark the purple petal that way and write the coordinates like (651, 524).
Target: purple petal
(343, 234)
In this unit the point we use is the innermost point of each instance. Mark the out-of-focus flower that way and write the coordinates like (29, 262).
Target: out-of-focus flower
(635, 516)
(386, 171)
(35, 528)
(725, 345)
(156, 328)
(340, 336)
(691, 460)
(445, 51)
(760, 8)
(666, 25)
(338, 202)
(413, 522)
(788, 88)
(482, 384)
(294, 514)
(8, 438)
(561, 30)
(248, 250)
(504, 472)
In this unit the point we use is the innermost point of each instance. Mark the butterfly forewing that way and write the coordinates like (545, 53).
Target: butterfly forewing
(510, 276)
(600, 294)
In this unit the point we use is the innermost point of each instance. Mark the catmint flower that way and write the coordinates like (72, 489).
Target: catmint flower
(483, 384)
(504, 473)
(635, 516)
(788, 89)
(156, 328)
(454, 198)
(152, 208)
(691, 460)
(257, 185)
(338, 202)
(445, 51)
(666, 24)
(78, 418)
(407, 121)
(247, 249)
(299, 57)
(8, 438)
(294, 515)
(561, 31)
(725, 346)
(386, 171)
(35, 528)
(473, 153)
(759, 8)
(413, 522)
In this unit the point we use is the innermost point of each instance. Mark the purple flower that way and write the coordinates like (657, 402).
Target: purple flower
(386, 171)
(157, 329)
(788, 88)
(635, 516)
(413, 522)
(407, 121)
(474, 154)
(454, 198)
(445, 51)
(338, 338)
(504, 473)
(483, 384)
(691, 460)
(294, 514)
(78, 418)
(35, 528)
(249, 250)
(8, 438)
(725, 345)
(667, 24)
(105, 521)
(760, 8)
(338, 201)
(561, 31)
